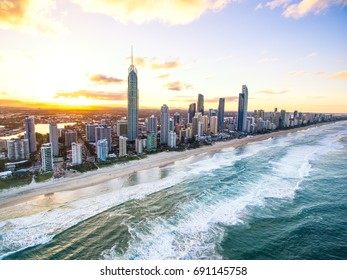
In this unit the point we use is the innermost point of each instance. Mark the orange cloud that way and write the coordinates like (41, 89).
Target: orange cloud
(303, 73)
(105, 80)
(342, 75)
(143, 11)
(272, 92)
(227, 99)
(29, 14)
(177, 86)
(164, 76)
(165, 64)
(155, 63)
(89, 94)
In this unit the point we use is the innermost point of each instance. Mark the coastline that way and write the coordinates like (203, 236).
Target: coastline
(22, 194)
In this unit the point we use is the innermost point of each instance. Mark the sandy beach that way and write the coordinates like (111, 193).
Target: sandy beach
(22, 194)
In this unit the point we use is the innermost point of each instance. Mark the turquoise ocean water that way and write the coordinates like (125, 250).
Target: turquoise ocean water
(282, 198)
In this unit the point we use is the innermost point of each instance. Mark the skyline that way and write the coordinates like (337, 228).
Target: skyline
(290, 54)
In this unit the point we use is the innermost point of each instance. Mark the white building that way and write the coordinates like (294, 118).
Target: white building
(47, 157)
(214, 124)
(139, 146)
(18, 149)
(172, 139)
(76, 153)
(122, 146)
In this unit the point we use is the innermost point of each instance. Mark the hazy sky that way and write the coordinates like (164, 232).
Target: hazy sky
(291, 54)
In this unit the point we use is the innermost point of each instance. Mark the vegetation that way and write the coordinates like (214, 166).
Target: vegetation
(86, 166)
(17, 179)
(43, 177)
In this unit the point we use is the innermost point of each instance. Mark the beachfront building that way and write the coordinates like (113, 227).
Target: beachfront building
(139, 146)
(76, 153)
(70, 137)
(53, 138)
(214, 124)
(221, 106)
(172, 139)
(102, 150)
(133, 102)
(242, 112)
(90, 132)
(123, 146)
(200, 104)
(164, 124)
(30, 133)
(46, 157)
(152, 124)
(104, 132)
(18, 149)
(151, 141)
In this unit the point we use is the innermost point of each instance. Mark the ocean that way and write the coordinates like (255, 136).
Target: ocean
(284, 198)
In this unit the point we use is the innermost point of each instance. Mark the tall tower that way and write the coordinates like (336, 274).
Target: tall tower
(221, 105)
(133, 101)
(191, 112)
(53, 138)
(242, 113)
(30, 133)
(164, 124)
(47, 157)
(201, 103)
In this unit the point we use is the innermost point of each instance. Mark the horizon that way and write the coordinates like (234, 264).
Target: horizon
(75, 54)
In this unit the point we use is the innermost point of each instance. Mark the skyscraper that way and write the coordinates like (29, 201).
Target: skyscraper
(133, 102)
(30, 133)
(103, 132)
(221, 105)
(47, 157)
(122, 146)
(191, 112)
(164, 124)
(76, 153)
(122, 128)
(153, 124)
(18, 149)
(201, 103)
(214, 124)
(90, 132)
(242, 113)
(53, 138)
(102, 150)
(177, 117)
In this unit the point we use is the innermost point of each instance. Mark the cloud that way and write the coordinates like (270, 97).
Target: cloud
(227, 99)
(105, 80)
(29, 15)
(164, 76)
(144, 11)
(298, 9)
(90, 94)
(259, 6)
(304, 73)
(177, 86)
(155, 63)
(272, 92)
(3, 93)
(267, 59)
(312, 54)
(342, 75)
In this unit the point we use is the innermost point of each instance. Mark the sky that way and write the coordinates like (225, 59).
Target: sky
(291, 54)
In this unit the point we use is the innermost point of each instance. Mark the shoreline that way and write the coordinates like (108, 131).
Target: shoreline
(29, 192)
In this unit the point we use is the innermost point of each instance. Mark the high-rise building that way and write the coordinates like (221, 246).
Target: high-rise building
(164, 124)
(133, 102)
(30, 133)
(122, 146)
(151, 141)
(172, 139)
(139, 146)
(76, 153)
(102, 150)
(152, 124)
(104, 132)
(53, 138)
(201, 103)
(18, 149)
(242, 113)
(221, 105)
(122, 128)
(70, 136)
(90, 132)
(46, 157)
(177, 118)
(195, 125)
(191, 112)
(214, 124)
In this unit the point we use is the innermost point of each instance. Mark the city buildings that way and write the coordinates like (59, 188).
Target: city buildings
(122, 146)
(102, 150)
(104, 132)
(221, 106)
(30, 133)
(18, 149)
(214, 124)
(242, 111)
(151, 141)
(177, 119)
(46, 157)
(76, 153)
(53, 138)
(164, 124)
(139, 143)
(90, 132)
(70, 136)
(191, 112)
(133, 102)
(200, 104)
(172, 139)
(152, 124)
(122, 128)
